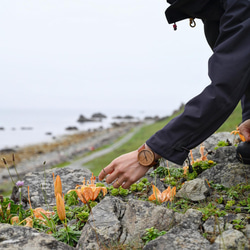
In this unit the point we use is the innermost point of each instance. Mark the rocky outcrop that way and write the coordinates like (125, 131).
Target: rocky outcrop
(124, 221)
(41, 186)
(15, 237)
(98, 116)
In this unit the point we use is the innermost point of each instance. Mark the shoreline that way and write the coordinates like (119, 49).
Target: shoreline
(64, 149)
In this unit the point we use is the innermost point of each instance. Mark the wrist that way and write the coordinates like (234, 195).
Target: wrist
(157, 157)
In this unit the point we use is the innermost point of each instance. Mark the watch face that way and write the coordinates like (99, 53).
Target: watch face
(146, 157)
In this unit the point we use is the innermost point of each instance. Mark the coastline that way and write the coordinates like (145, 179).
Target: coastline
(64, 149)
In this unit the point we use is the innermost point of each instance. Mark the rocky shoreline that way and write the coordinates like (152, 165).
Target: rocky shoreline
(64, 149)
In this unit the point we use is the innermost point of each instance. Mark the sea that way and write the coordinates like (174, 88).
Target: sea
(23, 127)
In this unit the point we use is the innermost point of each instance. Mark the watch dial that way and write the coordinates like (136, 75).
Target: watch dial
(146, 157)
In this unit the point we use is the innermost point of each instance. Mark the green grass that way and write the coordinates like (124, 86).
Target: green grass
(61, 165)
(232, 122)
(140, 137)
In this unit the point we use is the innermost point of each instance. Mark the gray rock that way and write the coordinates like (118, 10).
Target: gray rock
(195, 190)
(41, 185)
(25, 238)
(112, 220)
(214, 226)
(225, 154)
(185, 235)
(229, 174)
(231, 239)
(184, 239)
(212, 142)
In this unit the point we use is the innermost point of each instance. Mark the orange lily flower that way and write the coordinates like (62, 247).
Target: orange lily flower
(166, 195)
(60, 207)
(89, 191)
(14, 219)
(237, 132)
(37, 213)
(57, 185)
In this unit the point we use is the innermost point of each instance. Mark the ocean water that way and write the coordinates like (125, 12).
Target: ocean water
(21, 127)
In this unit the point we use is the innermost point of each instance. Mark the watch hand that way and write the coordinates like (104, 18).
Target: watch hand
(145, 156)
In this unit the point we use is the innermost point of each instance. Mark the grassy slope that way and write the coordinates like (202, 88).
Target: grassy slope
(138, 139)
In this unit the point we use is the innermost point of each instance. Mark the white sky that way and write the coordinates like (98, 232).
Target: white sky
(98, 53)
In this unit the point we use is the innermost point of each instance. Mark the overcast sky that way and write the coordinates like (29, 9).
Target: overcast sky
(99, 54)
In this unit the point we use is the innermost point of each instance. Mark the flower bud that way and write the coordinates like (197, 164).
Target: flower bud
(8, 209)
(58, 186)
(60, 207)
(1, 211)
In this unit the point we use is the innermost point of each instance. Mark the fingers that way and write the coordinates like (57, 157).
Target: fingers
(123, 171)
(106, 171)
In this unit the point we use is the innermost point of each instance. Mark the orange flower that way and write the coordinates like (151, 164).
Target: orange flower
(57, 185)
(192, 157)
(166, 195)
(203, 156)
(89, 191)
(185, 168)
(14, 220)
(237, 132)
(60, 207)
(29, 222)
(38, 215)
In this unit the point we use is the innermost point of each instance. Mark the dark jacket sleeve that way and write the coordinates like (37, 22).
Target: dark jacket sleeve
(229, 71)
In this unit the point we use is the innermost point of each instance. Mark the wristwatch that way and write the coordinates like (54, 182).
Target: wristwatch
(146, 157)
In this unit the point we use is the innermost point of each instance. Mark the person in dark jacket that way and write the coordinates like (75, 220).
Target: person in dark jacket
(227, 30)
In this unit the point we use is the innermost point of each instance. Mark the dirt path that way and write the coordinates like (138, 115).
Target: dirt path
(79, 163)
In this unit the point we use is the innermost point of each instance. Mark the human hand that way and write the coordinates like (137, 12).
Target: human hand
(244, 129)
(124, 170)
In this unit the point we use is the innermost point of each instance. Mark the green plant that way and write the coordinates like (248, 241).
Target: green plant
(8, 209)
(83, 216)
(68, 235)
(114, 191)
(160, 172)
(232, 193)
(238, 224)
(222, 144)
(229, 204)
(133, 187)
(151, 234)
(220, 200)
(49, 223)
(71, 198)
(237, 210)
(181, 205)
(211, 210)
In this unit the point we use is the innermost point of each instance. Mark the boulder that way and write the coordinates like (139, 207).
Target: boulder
(26, 238)
(195, 190)
(227, 174)
(231, 239)
(41, 186)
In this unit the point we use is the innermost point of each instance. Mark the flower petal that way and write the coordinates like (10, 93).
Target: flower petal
(165, 194)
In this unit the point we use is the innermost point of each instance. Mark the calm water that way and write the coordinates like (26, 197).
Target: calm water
(24, 127)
